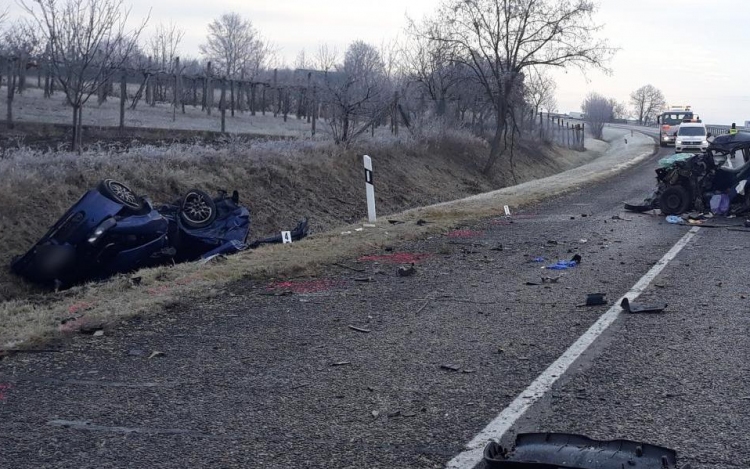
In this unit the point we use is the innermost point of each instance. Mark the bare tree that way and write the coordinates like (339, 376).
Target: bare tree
(390, 55)
(22, 42)
(302, 62)
(428, 62)
(599, 111)
(326, 58)
(540, 91)
(356, 92)
(235, 46)
(164, 45)
(619, 110)
(499, 40)
(647, 101)
(88, 40)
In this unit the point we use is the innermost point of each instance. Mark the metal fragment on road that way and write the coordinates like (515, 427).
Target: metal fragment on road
(639, 308)
(406, 271)
(450, 367)
(581, 452)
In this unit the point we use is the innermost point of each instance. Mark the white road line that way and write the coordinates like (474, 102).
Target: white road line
(542, 384)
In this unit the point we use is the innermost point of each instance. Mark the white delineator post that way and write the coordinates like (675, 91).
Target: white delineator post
(370, 190)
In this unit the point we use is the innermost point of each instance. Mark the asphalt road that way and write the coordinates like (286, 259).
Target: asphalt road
(249, 379)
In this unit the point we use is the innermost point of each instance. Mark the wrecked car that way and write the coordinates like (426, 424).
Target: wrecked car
(702, 181)
(112, 230)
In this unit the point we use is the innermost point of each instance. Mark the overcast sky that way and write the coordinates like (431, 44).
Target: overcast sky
(695, 51)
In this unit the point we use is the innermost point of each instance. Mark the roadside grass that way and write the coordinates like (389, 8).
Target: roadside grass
(33, 319)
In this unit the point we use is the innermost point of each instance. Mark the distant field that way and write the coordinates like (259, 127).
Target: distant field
(31, 106)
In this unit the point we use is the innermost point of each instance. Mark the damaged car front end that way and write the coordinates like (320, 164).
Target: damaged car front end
(108, 230)
(702, 182)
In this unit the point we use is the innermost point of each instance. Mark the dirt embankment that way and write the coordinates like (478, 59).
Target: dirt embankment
(280, 181)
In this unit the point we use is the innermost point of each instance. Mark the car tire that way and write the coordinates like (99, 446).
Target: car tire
(120, 193)
(198, 209)
(675, 200)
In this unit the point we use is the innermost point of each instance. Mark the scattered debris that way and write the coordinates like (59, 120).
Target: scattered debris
(675, 220)
(344, 266)
(576, 451)
(550, 279)
(359, 329)
(596, 299)
(341, 363)
(426, 303)
(369, 225)
(406, 271)
(583, 241)
(497, 248)
(395, 222)
(636, 308)
(421, 222)
(375, 413)
(155, 354)
(91, 328)
(450, 367)
(618, 217)
(364, 279)
(564, 265)
(538, 259)
(99, 333)
(344, 233)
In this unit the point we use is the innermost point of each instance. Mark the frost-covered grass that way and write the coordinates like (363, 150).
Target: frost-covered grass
(31, 106)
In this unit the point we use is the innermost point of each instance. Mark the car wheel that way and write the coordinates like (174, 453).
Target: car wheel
(120, 193)
(198, 209)
(674, 200)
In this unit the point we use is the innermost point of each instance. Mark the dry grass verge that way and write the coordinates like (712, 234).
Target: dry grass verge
(409, 175)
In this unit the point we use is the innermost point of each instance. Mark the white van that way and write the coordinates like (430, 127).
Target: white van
(691, 136)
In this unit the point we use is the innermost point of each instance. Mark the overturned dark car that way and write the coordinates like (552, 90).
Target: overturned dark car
(112, 230)
(702, 182)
